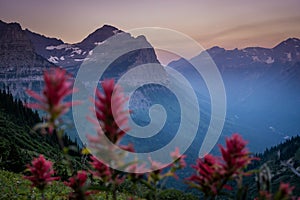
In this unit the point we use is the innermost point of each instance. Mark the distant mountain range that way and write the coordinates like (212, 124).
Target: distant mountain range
(25, 54)
(63, 54)
(251, 65)
(262, 89)
(262, 84)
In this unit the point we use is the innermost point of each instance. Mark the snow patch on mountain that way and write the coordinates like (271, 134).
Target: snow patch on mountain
(289, 56)
(80, 60)
(76, 50)
(270, 60)
(61, 46)
(99, 43)
(116, 31)
(255, 59)
(53, 59)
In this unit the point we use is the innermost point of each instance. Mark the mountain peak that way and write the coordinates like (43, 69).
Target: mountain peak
(15, 24)
(9, 27)
(108, 27)
(2, 23)
(215, 50)
(12, 34)
(29, 32)
(98, 35)
(293, 40)
(288, 43)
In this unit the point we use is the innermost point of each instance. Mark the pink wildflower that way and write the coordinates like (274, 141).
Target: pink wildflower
(136, 171)
(100, 170)
(78, 184)
(41, 172)
(128, 147)
(213, 173)
(208, 175)
(235, 155)
(110, 111)
(285, 191)
(78, 180)
(57, 86)
(178, 158)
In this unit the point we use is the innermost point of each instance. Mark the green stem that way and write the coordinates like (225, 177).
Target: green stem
(114, 192)
(62, 146)
(106, 195)
(43, 195)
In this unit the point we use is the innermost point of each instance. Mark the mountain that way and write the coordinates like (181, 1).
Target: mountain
(261, 83)
(25, 54)
(65, 54)
(71, 56)
(20, 65)
(286, 52)
(98, 36)
(40, 42)
(262, 89)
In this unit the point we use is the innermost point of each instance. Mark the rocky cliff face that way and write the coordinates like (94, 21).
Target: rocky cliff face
(20, 65)
(71, 56)
(25, 54)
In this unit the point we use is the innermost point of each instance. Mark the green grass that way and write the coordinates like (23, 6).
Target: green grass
(14, 187)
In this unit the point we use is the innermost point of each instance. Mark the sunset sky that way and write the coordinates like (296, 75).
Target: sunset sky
(228, 24)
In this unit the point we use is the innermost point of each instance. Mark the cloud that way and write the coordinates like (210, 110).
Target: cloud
(256, 28)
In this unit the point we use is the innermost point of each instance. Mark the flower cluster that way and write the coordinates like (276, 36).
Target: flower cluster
(285, 192)
(209, 173)
(113, 120)
(57, 87)
(178, 158)
(236, 157)
(41, 173)
(110, 111)
(79, 185)
(213, 173)
(100, 170)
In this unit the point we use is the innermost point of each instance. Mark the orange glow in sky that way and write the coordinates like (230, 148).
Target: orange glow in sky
(229, 24)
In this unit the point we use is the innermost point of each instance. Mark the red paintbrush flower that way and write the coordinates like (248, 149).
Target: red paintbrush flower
(178, 158)
(104, 173)
(128, 147)
(78, 184)
(100, 170)
(136, 171)
(41, 172)
(113, 121)
(213, 173)
(209, 173)
(285, 191)
(57, 87)
(110, 111)
(78, 180)
(236, 157)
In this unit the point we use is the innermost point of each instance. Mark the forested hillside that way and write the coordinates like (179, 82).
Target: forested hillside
(19, 142)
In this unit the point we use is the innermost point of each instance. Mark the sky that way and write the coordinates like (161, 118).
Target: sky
(228, 24)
